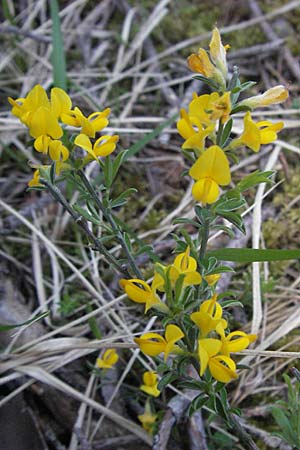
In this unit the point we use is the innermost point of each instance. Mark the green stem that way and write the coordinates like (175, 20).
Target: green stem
(239, 431)
(204, 239)
(57, 195)
(111, 221)
(220, 131)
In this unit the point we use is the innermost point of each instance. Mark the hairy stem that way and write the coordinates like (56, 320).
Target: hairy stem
(111, 221)
(57, 195)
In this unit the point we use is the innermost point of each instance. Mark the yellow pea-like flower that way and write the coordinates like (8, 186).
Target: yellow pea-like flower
(103, 146)
(150, 382)
(217, 52)
(273, 96)
(235, 341)
(211, 170)
(90, 125)
(148, 418)
(256, 134)
(108, 360)
(153, 344)
(209, 316)
(221, 367)
(140, 292)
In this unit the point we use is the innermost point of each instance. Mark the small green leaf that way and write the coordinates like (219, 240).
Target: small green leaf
(86, 215)
(254, 179)
(165, 380)
(235, 219)
(226, 133)
(122, 198)
(241, 108)
(198, 403)
(207, 81)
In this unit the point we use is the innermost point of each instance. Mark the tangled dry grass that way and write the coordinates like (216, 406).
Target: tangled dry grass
(131, 56)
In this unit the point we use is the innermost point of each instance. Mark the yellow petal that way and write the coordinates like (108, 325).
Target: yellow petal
(60, 102)
(41, 144)
(201, 63)
(105, 145)
(84, 142)
(184, 125)
(222, 372)
(206, 349)
(43, 121)
(173, 333)
(151, 344)
(206, 191)
(212, 279)
(213, 164)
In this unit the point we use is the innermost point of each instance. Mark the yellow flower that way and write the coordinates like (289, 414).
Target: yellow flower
(235, 341)
(148, 419)
(201, 63)
(210, 170)
(273, 96)
(212, 279)
(103, 146)
(194, 138)
(209, 316)
(221, 367)
(201, 109)
(89, 125)
(144, 294)
(217, 52)
(150, 384)
(57, 151)
(213, 66)
(153, 344)
(109, 359)
(35, 181)
(221, 108)
(256, 134)
(23, 108)
(187, 265)
(60, 102)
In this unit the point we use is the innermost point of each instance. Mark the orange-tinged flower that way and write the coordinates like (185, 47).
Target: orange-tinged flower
(201, 63)
(211, 170)
(108, 360)
(221, 108)
(153, 344)
(150, 383)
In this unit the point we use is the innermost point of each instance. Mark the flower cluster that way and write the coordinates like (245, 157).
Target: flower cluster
(46, 120)
(208, 120)
(214, 344)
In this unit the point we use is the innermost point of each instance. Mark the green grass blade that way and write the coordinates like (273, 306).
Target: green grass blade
(28, 322)
(248, 255)
(58, 54)
(135, 148)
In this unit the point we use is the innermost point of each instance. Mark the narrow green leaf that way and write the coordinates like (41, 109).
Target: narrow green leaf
(28, 322)
(248, 255)
(58, 54)
(255, 178)
(165, 380)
